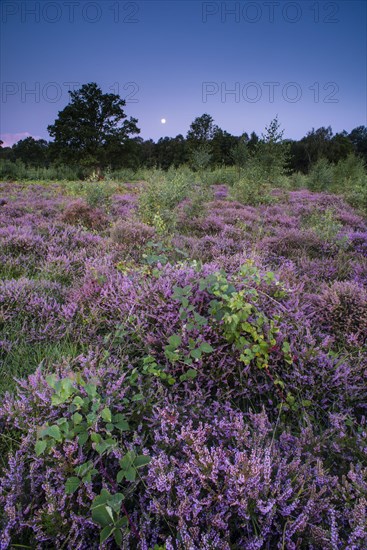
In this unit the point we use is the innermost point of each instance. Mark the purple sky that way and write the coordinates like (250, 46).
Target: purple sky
(242, 62)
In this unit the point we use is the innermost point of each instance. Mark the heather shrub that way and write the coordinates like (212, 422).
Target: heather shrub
(80, 213)
(219, 479)
(33, 306)
(80, 433)
(292, 243)
(358, 240)
(342, 312)
(197, 199)
(187, 396)
(22, 243)
(131, 234)
(228, 484)
(207, 248)
(63, 268)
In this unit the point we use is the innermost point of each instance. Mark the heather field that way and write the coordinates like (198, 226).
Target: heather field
(183, 364)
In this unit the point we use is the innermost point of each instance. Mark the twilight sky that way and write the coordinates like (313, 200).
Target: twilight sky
(242, 62)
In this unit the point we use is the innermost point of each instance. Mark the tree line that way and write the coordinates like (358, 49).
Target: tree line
(93, 132)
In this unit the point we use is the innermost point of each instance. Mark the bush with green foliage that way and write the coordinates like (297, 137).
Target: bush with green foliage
(162, 193)
(321, 176)
(251, 189)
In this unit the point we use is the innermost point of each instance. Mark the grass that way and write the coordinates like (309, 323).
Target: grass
(24, 358)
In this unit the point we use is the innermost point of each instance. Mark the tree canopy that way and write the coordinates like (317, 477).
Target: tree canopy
(91, 126)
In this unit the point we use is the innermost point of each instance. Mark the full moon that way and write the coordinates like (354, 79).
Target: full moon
(163, 120)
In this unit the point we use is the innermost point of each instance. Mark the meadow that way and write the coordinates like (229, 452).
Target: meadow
(183, 361)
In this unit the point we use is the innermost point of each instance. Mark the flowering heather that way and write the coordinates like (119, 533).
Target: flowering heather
(80, 213)
(197, 387)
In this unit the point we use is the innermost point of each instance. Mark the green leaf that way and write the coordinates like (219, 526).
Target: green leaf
(286, 347)
(83, 437)
(51, 380)
(105, 445)
(122, 522)
(130, 474)
(120, 422)
(206, 348)
(141, 460)
(96, 438)
(172, 357)
(174, 341)
(77, 418)
(120, 476)
(127, 460)
(91, 390)
(118, 537)
(40, 447)
(53, 431)
(78, 401)
(71, 485)
(196, 353)
(137, 397)
(102, 498)
(191, 373)
(82, 469)
(200, 320)
(56, 400)
(91, 418)
(115, 502)
(106, 414)
(106, 533)
(61, 422)
(102, 515)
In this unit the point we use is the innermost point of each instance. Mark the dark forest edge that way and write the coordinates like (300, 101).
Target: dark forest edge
(92, 135)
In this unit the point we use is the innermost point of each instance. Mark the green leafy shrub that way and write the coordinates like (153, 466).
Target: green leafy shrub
(325, 225)
(298, 180)
(163, 191)
(250, 190)
(98, 194)
(223, 175)
(200, 158)
(351, 180)
(321, 176)
(84, 417)
(349, 172)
